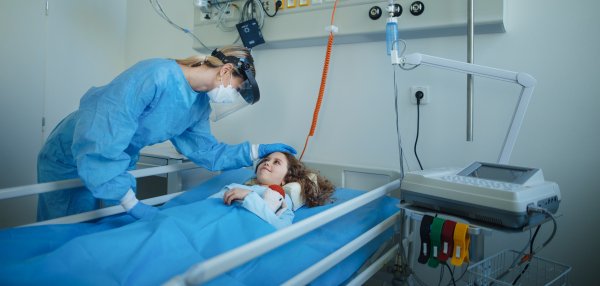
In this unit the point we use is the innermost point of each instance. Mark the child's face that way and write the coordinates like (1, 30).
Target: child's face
(272, 170)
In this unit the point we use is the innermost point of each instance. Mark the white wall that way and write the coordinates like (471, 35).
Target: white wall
(149, 36)
(48, 63)
(356, 124)
(21, 102)
(85, 47)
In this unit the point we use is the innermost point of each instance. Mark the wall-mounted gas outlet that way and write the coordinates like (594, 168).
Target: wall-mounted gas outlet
(421, 88)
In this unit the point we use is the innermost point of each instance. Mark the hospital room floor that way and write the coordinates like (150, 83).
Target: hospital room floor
(381, 278)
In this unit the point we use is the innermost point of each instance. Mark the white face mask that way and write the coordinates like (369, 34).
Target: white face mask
(223, 94)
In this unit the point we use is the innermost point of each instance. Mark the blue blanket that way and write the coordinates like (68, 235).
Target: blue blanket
(188, 229)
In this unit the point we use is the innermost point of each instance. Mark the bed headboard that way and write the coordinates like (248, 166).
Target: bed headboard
(356, 177)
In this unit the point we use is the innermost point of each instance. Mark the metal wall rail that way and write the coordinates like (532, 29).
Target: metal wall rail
(223, 263)
(22, 191)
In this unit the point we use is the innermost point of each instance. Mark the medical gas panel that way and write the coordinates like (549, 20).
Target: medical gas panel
(494, 193)
(301, 23)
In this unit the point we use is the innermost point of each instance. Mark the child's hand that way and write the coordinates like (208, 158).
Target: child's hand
(235, 194)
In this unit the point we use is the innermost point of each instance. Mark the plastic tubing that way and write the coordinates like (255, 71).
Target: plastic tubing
(323, 82)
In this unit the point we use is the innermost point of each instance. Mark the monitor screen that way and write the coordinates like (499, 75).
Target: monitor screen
(497, 174)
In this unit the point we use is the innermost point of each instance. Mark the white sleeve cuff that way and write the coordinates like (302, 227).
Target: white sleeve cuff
(129, 200)
(254, 151)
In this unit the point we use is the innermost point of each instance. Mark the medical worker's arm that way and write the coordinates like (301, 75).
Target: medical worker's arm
(135, 208)
(141, 210)
(254, 203)
(205, 151)
(108, 119)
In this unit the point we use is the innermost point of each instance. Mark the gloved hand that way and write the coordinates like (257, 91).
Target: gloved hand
(141, 210)
(266, 149)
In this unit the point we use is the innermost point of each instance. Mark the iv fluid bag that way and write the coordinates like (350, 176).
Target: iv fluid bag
(391, 35)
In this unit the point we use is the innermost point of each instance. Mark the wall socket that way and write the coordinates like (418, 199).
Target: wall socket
(422, 88)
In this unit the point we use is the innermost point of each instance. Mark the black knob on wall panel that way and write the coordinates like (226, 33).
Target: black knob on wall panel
(375, 12)
(417, 8)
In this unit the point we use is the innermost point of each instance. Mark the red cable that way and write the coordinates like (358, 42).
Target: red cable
(322, 89)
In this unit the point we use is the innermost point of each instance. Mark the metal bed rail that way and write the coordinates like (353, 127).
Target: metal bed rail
(28, 190)
(326, 263)
(34, 189)
(101, 213)
(223, 263)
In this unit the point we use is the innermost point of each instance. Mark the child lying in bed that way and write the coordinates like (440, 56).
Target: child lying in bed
(278, 168)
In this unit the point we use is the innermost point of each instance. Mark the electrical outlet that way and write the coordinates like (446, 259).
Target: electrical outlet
(413, 91)
(275, 3)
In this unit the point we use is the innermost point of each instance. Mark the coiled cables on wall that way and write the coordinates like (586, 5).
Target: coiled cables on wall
(246, 14)
(323, 82)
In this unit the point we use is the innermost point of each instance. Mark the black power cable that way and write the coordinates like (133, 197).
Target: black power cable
(461, 276)
(441, 276)
(419, 95)
(531, 252)
(277, 5)
(451, 275)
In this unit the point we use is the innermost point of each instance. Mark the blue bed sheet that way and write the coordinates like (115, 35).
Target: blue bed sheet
(188, 229)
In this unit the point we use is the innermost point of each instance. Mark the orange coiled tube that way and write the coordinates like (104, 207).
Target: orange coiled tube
(322, 89)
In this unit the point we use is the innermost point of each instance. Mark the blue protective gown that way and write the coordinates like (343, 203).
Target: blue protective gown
(149, 103)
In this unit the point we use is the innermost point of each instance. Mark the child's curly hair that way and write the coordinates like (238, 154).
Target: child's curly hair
(297, 172)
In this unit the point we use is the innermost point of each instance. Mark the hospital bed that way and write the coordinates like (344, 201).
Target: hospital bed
(344, 243)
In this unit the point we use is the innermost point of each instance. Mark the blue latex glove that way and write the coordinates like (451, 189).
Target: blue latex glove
(266, 149)
(141, 210)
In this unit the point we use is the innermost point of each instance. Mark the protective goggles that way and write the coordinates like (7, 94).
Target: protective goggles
(248, 89)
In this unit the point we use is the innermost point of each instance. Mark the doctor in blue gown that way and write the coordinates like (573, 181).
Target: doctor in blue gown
(151, 102)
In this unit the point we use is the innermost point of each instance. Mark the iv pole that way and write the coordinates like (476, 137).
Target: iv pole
(470, 88)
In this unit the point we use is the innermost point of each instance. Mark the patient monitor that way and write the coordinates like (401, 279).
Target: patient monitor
(494, 193)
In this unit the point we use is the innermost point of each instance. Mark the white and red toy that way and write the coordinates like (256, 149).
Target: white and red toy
(274, 196)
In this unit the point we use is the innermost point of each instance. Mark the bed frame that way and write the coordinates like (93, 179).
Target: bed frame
(379, 181)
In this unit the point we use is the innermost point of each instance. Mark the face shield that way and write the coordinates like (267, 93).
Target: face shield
(247, 90)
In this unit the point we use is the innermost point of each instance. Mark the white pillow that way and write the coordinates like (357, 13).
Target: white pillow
(293, 190)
